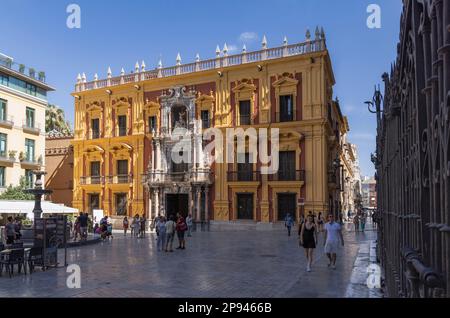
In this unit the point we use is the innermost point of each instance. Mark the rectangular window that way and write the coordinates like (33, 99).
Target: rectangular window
(122, 171)
(94, 202)
(286, 170)
(29, 150)
(245, 169)
(95, 172)
(244, 112)
(151, 124)
(30, 117)
(122, 121)
(3, 104)
(286, 108)
(95, 123)
(4, 80)
(121, 204)
(205, 119)
(31, 89)
(3, 144)
(2, 176)
(29, 178)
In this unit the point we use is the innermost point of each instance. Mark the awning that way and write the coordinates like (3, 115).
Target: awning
(26, 207)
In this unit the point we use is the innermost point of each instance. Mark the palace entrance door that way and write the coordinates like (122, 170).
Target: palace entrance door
(177, 203)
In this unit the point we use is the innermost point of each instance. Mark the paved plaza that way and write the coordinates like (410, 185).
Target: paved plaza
(214, 264)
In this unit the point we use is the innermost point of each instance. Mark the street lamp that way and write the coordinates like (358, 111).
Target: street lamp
(374, 106)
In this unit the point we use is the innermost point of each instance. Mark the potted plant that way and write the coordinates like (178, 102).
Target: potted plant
(12, 154)
(32, 72)
(21, 156)
(22, 68)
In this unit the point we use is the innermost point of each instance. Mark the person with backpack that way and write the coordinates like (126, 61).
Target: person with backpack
(181, 229)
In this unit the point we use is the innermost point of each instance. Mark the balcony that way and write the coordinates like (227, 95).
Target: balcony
(298, 175)
(7, 122)
(92, 180)
(244, 176)
(30, 163)
(120, 179)
(31, 129)
(5, 159)
(283, 117)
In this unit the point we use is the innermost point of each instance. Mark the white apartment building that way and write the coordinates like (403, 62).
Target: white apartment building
(23, 100)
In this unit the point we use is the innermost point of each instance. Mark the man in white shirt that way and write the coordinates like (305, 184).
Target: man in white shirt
(333, 232)
(170, 232)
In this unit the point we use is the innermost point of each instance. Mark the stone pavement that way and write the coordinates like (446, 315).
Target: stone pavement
(215, 264)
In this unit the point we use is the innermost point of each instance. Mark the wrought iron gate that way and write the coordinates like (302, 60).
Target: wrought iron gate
(413, 156)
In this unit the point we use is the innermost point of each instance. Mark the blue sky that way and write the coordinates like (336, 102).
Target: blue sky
(119, 33)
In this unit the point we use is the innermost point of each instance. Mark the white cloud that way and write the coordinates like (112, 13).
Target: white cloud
(248, 37)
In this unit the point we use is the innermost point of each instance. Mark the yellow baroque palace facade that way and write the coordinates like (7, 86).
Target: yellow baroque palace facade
(125, 127)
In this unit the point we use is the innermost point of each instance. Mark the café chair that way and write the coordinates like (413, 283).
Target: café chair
(16, 257)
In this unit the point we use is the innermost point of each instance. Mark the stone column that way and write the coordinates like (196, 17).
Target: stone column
(198, 211)
(150, 210)
(153, 155)
(157, 208)
(190, 202)
(206, 204)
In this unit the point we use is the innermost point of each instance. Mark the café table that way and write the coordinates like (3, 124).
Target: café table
(5, 255)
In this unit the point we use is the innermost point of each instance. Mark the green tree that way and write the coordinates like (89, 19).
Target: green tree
(17, 192)
(55, 120)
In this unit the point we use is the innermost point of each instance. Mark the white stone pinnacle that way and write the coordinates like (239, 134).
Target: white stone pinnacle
(109, 72)
(264, 42)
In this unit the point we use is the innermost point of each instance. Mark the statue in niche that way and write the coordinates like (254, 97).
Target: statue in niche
(181, 122)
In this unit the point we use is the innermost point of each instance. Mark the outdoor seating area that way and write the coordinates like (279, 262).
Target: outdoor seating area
(22, 259)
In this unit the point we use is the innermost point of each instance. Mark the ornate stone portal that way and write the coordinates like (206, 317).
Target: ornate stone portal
(179, 174)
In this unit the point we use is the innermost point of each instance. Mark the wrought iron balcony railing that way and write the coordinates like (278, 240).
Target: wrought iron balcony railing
(293, 175)
(244, 176)
(92, 180)
(120, 179)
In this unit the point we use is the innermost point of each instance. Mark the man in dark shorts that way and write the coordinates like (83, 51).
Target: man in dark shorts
(83, 225)
(10, 231)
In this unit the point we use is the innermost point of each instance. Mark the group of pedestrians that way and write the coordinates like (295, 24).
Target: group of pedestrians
(167, 228)
(80, 227)
(308, 230)
(359, 221)
(138, 226)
